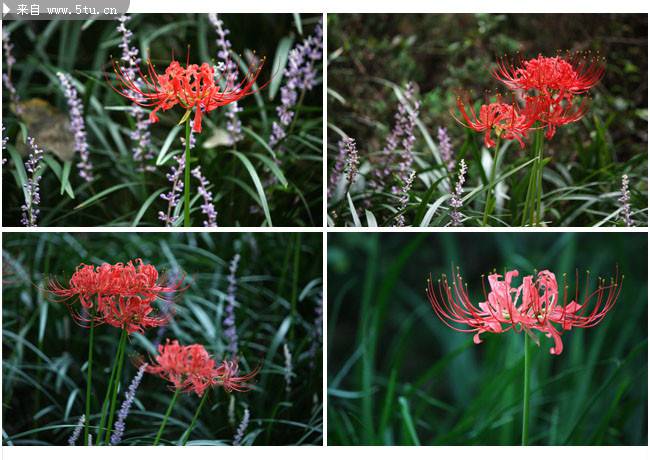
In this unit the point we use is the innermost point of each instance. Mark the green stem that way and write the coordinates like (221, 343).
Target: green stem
(116, 384)
(186, 436)
(526, 412)
(186, 191)
(540, 168)
(109, 391)
(169, 411)
(488, 196)
(89, 375)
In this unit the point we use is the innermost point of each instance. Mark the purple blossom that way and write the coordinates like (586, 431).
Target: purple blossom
(77, 127)
(456, 200)
(404, 199)
(120, 423)
(172, 197)
(402, 135)
(625, 202)
(446, 150)
(351, 160)
(288, 367)
(317, 334)
(207, 207)
(241, 430)
(141, 135)
(72, 440)
(337, 170)
(32, 188)
(230, 331)
(4, 145)
(300, 74)
(10, 60)
(228, 67)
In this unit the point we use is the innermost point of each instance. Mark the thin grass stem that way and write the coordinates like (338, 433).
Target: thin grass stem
(186, 189)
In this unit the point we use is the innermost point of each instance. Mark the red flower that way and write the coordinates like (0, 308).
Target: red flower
(191, 369)
(551, 113)
(535, 305)
(132, 313)
(572, 74)
(120, 294)
(505, 120)
(227, 374)
(192, 87)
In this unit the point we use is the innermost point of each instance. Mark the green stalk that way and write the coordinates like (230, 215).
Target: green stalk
(491, 184)
(89, 375)
(194, 419)
(186, 191)
(116, 384)
(169, 411)
(109, 390)
(526, 412)
(540, 168)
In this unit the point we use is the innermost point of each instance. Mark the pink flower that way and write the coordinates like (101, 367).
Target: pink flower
(535, 305)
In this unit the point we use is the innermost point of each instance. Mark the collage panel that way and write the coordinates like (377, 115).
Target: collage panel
(141, 339)
(501, 120)
(163, 120)
(487, 339)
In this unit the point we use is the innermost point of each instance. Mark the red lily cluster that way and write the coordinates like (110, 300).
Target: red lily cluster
(546, 87)
(191, 369)
(533, 306)
(119, 295)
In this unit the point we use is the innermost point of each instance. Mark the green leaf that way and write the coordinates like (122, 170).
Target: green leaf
(279, 63)
(353, 211)
(104, 193)
(273, 168)
(146, 205)
(258, 184)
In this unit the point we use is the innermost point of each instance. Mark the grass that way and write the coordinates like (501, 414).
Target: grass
(45, 352)
(398, 376)
(253, 184)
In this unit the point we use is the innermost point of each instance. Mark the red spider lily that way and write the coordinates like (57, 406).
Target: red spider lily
(191, 369)
(133, 314)
(90, 283)
(505, 120)
(231, 381)
(534, 305)
(192, 87)
(551, 113)
(573, 74)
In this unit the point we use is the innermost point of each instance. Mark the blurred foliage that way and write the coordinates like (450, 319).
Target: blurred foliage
(278, 293)
(85, 50)
(449, 54)
(398, 375)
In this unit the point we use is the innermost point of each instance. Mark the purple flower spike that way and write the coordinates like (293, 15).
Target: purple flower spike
(230, 331)
(300, 75)
(32, 188)
(77, 127)
(120, 423)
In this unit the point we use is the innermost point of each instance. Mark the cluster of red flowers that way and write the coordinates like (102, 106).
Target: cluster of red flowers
(119, 295)
(535, 305)
(544, 90)
(191, 369)
(191, 87)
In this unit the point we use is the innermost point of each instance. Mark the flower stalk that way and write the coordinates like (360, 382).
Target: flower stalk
(526, 410)
(169, 411)
(187, 433)
(89, 377)
(186, 191)
(491, 185)
(116, 382)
